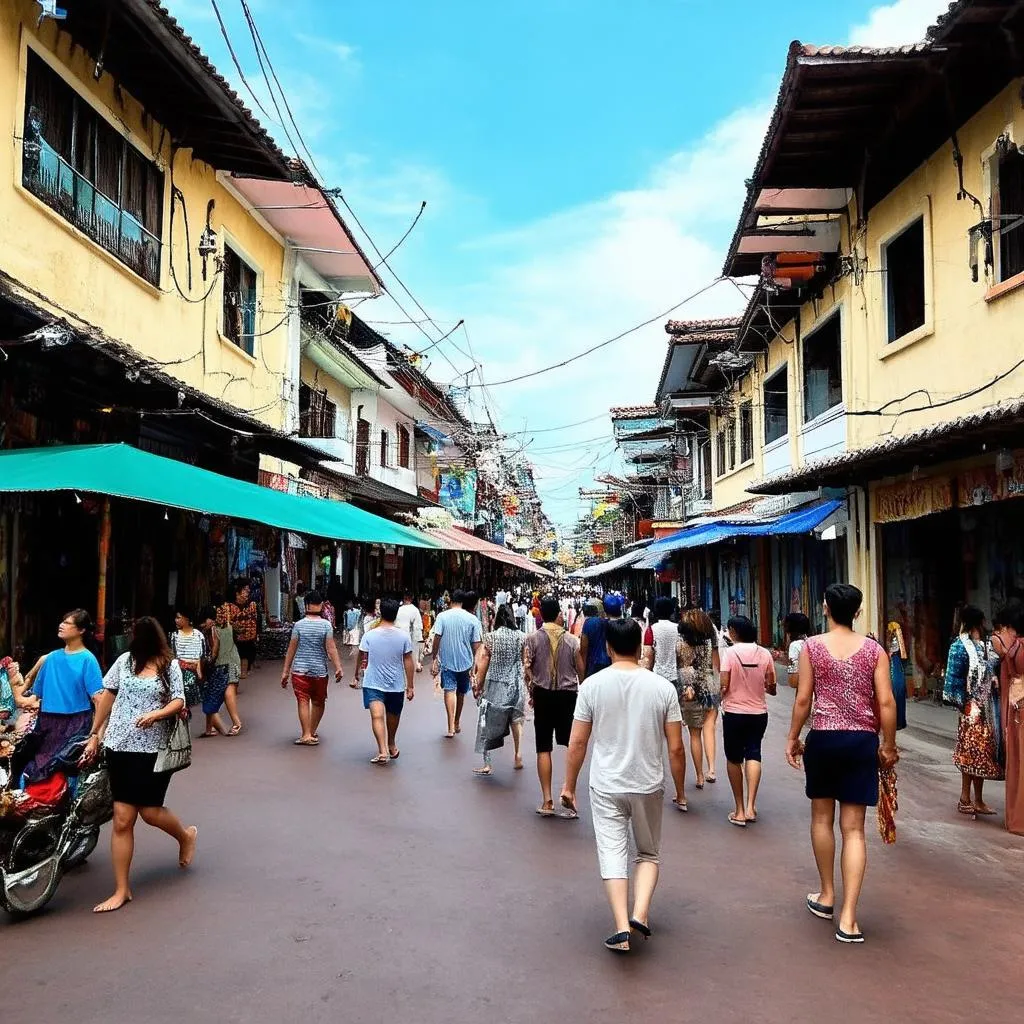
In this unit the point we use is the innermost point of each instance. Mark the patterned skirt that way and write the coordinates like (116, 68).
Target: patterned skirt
(976, 750)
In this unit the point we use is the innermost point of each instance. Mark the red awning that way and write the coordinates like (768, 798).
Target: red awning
(453, 539)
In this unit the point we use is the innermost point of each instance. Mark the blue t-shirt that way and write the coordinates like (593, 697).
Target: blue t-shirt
(597, 649)
(458, 630)
(66, 682)
(386, 648)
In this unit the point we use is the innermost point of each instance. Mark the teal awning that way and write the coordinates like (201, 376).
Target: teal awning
(122, 471)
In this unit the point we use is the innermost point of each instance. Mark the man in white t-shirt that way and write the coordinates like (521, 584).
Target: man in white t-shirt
(411, 620)
(386, 668)
(629, 712)
(502, 597)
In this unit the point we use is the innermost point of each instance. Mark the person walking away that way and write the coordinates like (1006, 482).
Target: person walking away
(311, 646)
(67, 683)
(748, 673)
(188, 647)
(229, 658)
(521, 612)
(500, 689)
(592, 641)
(350, 636)
(897, 649)
(502, 597)
(245, 622)
(410, 619)
(386, 668)
(214, 675)
(629, 713)
(700, 690)
(300, 599)
(553, 665)
(1010, 648)
(845, 677)
(455, 639)
(796, 628)
(142, 695)
(969, 688)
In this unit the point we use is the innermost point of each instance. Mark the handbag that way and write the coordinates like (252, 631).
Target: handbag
(1016, 693)
(176, 752)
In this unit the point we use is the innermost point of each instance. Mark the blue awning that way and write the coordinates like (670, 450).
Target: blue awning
(435, 435)
(802, 521)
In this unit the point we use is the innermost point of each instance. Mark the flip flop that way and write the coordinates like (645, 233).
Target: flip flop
(394, 756)
(618, 943)
(710, 778)
(822, 910)
(849, 937)
(570, 807)
(733, 820)
(378, 760)
(546, 812)
(681, 805)
(305, 743)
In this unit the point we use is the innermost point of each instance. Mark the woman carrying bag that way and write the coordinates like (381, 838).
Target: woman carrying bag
(141, 705)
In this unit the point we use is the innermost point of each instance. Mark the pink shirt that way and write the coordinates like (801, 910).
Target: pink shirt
(747, 665)
(844, 689)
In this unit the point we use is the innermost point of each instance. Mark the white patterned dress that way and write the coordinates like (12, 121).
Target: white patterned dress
(504, 693)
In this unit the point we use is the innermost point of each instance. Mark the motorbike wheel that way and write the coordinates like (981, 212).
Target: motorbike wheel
(84, 846)
(36, 841)
(26, 892)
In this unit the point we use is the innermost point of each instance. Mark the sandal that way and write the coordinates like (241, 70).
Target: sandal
(618, 943)
(710, 778)
(305, 743)
(378, 760)
(235, 730)
(738, 822)
(639, 926)
(818, 909)
(681, 805)
(967, 808)
(546, 812)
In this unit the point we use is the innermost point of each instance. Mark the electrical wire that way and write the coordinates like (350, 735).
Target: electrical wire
(423, 206)
(238, 66)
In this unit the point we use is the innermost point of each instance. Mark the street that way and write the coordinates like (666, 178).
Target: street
(325, 889)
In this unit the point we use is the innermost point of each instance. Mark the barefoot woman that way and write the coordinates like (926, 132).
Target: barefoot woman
(142, 694)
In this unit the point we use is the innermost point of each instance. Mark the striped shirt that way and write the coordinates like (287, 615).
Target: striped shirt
(312, 633)
(188, 648)
(458, 630)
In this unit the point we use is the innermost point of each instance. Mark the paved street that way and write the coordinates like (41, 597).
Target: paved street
(325, 889)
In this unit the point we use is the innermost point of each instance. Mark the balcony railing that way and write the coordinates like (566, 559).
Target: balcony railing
(53, 180)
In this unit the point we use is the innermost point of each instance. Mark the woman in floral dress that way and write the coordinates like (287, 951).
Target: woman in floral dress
(500, 689)
(969, 688)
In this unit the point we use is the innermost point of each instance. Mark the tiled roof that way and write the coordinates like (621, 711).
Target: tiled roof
(867, 52)
(881, 454)
(626, 412)
(726, 323)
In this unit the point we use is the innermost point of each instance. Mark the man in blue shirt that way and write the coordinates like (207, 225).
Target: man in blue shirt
(454, 641)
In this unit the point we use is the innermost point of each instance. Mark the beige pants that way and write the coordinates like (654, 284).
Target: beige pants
(613, 813)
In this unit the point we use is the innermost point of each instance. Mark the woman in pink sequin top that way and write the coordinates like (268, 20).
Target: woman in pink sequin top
(845, 689)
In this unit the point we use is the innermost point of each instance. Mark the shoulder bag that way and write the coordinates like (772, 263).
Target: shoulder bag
(175, 752)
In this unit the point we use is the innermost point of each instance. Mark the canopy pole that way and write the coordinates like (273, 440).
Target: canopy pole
(101, 587)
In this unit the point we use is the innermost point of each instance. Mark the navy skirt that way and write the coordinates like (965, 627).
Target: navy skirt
(842, 765)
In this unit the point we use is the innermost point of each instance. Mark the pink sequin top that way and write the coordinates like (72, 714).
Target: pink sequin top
(844, 689)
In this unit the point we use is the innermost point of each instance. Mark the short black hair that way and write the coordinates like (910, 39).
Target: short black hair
(590, 610)
(796, 625)
(313, 597)
(458, 597)
(971, 617)
(207, 612)
(844, 601)
(663, 608)
(469, 600)
(1011, 614)
(745, 630)
(549, 608)
(623, 635)
(407, 595)
(388, 610)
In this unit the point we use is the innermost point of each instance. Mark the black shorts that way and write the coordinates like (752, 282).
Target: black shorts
(742, 735)
(246, 650)
(552, 716)
(842, 765)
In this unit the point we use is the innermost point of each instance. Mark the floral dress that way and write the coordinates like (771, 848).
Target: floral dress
(504, 694)
(697, 669)
(968, 687)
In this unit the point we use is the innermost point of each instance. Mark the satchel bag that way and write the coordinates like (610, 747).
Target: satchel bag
(176, 753)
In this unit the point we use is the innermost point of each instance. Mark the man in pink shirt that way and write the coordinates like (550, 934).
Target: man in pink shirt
(748, 673)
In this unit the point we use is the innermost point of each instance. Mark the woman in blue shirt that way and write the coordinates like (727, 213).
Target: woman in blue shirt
(66, 682)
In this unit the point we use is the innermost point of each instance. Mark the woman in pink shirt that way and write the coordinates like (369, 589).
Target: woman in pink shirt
(748, 673)
(847, 678)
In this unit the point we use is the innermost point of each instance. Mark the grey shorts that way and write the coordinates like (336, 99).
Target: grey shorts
(613, 814)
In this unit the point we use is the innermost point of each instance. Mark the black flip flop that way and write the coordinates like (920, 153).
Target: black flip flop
(849, 937)
(822, 910)
(618, 943)
(643, 929)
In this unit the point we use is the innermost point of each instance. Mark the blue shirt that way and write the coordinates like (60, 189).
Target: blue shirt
(385, 648)
(66, 682)
(458, 630)
(597, 649)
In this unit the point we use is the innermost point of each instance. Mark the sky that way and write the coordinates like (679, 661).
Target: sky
(583, 164)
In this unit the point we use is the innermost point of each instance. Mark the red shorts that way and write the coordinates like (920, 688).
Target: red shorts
(310, 688)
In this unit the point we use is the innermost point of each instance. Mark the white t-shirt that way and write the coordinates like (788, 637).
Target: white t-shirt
(386, 648)
(666, 636)
(795, 649)
(501, 598)
(628, 709)
(411, 621)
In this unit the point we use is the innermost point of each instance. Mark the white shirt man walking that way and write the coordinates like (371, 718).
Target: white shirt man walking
(629, 712)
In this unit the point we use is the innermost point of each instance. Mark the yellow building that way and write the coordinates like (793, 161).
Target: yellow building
(885, 226)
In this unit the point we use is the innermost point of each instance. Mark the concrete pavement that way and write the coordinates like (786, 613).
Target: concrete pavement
(326, 889)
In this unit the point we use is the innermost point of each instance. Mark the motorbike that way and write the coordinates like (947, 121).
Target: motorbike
(37, 850)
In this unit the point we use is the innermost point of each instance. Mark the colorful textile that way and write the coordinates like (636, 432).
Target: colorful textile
(244, 621)
(888, 804)
(968, 687)
(214, 687)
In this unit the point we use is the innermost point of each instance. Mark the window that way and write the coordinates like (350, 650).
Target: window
(239, 301)
(76, 163)
(362, 447)
(776, 406)
(318, 415)
(705, 469)
(720, 452)
(903, 260)
(823, 375)
(730, 442)
(384, 447)
(746, 432)
(1009, 207)
(403, 447)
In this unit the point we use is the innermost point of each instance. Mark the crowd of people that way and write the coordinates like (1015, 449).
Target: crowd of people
(594, 672)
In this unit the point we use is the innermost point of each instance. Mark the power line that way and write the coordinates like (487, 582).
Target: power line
(423, 206)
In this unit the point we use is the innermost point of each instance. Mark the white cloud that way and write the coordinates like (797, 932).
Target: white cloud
(344, 52)
(897, 24)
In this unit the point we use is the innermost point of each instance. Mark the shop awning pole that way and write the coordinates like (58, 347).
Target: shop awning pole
(101, 586)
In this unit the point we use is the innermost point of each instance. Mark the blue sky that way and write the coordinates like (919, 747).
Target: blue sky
(583, 164)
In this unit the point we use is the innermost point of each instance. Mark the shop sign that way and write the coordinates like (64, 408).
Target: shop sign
(983, 484)
(275, 481)
(913, 499)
